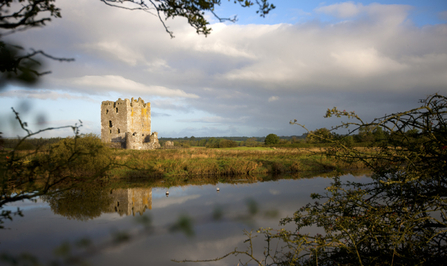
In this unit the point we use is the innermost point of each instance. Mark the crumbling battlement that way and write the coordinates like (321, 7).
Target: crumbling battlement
(127, 124)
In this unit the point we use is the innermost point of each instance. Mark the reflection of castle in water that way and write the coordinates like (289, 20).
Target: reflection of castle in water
(131, 200)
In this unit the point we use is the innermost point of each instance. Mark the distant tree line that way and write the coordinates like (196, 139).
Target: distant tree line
(367, 135)
(228, 142)
(320, 138)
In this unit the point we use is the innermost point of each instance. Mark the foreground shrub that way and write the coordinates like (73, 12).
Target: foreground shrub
(399, 218)
(83, 155)
(60, 167)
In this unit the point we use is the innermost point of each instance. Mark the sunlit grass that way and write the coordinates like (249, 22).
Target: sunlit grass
(222, 162)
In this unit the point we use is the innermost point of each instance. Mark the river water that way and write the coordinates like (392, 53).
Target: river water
(48, 223)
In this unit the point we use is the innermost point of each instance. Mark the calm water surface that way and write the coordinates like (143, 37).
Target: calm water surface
(45, 227)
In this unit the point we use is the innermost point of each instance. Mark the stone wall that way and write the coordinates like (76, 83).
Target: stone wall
(139, 119)
(152, 143)
(169, 144)
(114, 121)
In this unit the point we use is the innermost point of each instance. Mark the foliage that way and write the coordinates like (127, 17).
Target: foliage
(226, 143)
(321, 135)
(19, 15)
(212, 143)
(28, 14)
(28, 174)
(271, 139)
(284, 142)
(379, 134)
(220, 143)
(194, 11)
(79, 156)
(398, 218)
(365, 134)
(251, 142)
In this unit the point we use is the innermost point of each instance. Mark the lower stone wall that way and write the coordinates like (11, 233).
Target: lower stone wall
(135, 141)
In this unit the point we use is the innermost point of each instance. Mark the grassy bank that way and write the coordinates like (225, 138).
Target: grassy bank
(87, 158)
(221, 162)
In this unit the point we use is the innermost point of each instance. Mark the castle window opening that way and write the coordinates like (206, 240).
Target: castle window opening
(117, 109)
(107, 111)
(110, 131)
(110, 123)
(118, 130)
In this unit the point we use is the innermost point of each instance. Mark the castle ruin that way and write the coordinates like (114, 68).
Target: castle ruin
(127, 124)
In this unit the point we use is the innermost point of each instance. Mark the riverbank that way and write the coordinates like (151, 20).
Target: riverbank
(227, 162)
(86, 159)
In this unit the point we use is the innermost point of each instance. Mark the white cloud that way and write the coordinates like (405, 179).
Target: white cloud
(375, 13)
(118, 83)
(226, 49)
(273, 98)
(42, 95)
(342, 10)
(170, 104)
(157, 65)
(365, 62)
(115, 50)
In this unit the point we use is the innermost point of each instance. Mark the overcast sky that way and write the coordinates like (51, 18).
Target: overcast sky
(248, 78)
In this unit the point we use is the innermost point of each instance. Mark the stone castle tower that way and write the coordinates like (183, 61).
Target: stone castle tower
(127, 124)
